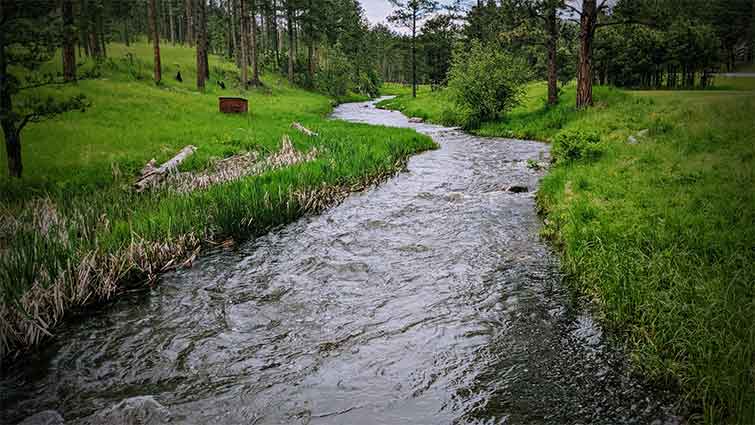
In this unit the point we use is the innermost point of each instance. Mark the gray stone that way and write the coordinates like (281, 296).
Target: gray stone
(143, 410)
(416, 120)
(47, 417)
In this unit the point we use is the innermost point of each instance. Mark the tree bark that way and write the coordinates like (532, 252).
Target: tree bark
(172, 22)
(587, 25)
(155, 39)
(244, 49)
(190, 21)
(69, 42)
(276, 38)
(11, 133)
(201, 37)
(310, 47)
(551, 23)
(253, 45)
(414, 53)
(290, 23)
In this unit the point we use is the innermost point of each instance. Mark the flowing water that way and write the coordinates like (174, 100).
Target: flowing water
(427, 300)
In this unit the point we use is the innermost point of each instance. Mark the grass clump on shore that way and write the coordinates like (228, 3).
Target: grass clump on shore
(651, 204)
(74, 232)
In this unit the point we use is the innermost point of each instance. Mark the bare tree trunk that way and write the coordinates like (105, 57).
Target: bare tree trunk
(244, 49)
(11, 133)
(552, 31)
(172, 22)
(190, 21)
(253, 45)
(584, 70)
(155, 39)
(290, 23)
(101, 30)
(414, 53)
(69, 42)
(276, 38)
(201, 37)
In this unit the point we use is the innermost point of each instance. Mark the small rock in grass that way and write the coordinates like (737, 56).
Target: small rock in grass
(517, 189)
(631, 140)
(47, 417)
(416, 120)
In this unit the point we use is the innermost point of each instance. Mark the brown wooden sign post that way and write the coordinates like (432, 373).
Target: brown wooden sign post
(233, 105)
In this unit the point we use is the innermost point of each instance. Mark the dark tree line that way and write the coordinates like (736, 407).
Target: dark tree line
(628, 43)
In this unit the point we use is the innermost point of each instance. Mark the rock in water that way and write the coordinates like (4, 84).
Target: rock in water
(143, 410)
(518, 189)
(416, 120)
(47, 417)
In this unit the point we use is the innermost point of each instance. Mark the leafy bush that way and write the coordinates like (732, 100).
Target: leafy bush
(368, 83)
(334, 78)
(575, 145)
(485, 82)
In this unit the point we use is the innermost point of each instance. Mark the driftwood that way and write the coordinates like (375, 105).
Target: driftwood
(151, 174)
(303, 129)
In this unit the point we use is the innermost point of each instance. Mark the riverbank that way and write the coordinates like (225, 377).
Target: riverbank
(74, 232)
(657, 228)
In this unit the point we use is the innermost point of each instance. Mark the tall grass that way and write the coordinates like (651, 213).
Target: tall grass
(73, 232)
(661, 233)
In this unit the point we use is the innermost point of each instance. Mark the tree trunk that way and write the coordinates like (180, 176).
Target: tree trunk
(244, 49)
(155, 39)
(69, 42)
(253, 45)
(11, 133)
(290, 23)
(552, 31)
(190, 21)
(414, 53)
(172, 22)
(584, 70)
(310, 48)
(276, 39)
(201, 46)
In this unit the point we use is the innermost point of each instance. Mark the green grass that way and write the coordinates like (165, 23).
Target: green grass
(73, 232)
(659, 234)
(735, 83)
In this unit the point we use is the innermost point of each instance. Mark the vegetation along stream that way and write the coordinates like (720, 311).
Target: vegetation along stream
(430, 299)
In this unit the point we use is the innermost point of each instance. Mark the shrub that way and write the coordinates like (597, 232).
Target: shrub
(575, 145)
(334, 78)
(485, 82)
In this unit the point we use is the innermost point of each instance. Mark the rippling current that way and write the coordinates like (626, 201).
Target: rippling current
(427, 300)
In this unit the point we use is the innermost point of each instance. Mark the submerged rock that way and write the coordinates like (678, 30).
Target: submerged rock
(47, 417)
(517, 189)
(143, 410)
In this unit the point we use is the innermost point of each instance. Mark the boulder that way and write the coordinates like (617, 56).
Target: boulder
(517, 189)
(416, 120)
(47, 417)
(143, 410)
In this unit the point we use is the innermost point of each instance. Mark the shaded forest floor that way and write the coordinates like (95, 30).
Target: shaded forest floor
(659, 230)
(74, 232)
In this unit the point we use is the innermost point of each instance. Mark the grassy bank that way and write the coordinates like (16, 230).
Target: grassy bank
(72, 230)
(661, 233)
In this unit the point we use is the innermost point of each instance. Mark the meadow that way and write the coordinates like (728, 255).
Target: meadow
(657, 231)
(73, 231)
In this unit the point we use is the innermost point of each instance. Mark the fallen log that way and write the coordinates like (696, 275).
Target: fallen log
(151, 174)
(303, 129)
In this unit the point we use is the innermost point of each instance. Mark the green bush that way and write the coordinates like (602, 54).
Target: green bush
(575, 145)
(485, 82)
(334, 78)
